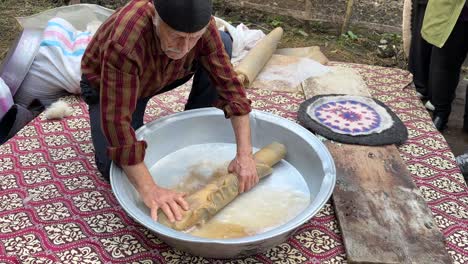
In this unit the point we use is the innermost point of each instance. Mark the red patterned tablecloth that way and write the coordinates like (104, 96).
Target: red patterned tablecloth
(55, 207)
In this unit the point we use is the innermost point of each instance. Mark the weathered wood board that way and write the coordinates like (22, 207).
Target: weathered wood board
(383, 217)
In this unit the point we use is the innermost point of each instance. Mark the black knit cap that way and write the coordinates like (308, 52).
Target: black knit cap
(187, 16)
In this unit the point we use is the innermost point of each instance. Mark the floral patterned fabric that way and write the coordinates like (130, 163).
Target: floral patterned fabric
(56, 208)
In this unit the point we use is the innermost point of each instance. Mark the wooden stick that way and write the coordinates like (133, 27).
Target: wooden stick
(349, 11)
(256, 59)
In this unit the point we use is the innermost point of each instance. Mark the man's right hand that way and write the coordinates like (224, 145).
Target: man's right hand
(155, 197)
(170, 202)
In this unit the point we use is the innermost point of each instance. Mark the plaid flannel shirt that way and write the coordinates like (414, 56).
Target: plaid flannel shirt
(125, 62)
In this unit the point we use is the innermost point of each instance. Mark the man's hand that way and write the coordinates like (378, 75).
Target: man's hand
(244, 164)
(170, 202)
(244, 167)
(155, 197)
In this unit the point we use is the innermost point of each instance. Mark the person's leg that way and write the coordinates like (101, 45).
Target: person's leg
(137, 117)
(99, 141)
(420, 51)
(444, 75)
(203, 93)
(465, 118)
(175, 84)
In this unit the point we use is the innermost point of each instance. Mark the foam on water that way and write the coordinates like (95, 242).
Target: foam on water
(255, 212)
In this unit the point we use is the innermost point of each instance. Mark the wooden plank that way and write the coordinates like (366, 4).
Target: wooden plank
(382, 215)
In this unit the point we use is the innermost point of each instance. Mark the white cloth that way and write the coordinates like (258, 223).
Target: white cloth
(56, 70)
(243, 38)
(6, 100)
(287, 72)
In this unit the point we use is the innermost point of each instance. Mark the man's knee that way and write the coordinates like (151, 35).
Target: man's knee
(103, 165)
(227, 41)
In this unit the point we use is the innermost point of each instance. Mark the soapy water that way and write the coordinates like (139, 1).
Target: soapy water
(277, 199)
(253, 213)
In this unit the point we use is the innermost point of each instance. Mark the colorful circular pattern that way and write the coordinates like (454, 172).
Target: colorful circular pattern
(348, 116)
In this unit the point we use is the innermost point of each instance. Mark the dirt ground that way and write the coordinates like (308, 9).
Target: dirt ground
(359, 46)
(9, 9)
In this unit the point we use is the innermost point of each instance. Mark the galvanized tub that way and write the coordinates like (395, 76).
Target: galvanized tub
(306, 153)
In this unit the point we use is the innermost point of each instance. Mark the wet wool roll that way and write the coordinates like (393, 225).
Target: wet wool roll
(208, 201)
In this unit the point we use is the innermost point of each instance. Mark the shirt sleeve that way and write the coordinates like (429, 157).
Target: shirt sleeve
(232, 98)
(118, 96)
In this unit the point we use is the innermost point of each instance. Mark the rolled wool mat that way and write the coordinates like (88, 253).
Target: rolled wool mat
(205, 203)
(257, 58)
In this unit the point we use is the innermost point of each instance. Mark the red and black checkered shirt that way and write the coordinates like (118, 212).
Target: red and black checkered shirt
(125, 62)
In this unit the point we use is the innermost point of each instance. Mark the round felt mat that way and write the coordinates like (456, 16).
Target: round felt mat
(357, 117)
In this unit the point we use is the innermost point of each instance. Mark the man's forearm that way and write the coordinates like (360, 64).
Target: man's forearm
(139, 176)
(241, 126)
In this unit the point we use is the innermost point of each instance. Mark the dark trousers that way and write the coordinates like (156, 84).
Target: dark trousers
(444, 73)
(203, 94)
(420, 50)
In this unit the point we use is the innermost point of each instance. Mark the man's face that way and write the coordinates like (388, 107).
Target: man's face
(176, 44)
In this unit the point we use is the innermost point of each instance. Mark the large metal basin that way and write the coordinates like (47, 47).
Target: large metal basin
(306, 153)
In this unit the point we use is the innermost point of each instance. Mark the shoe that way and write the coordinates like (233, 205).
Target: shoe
(429, 106)
(440, 123)
(421, 96)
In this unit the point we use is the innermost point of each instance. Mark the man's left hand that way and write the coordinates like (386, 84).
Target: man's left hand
(244, 167)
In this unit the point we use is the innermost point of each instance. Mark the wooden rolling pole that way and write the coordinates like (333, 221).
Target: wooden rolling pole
(256, 59)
